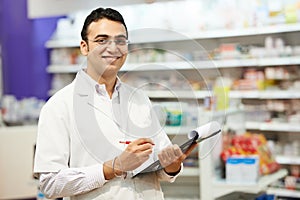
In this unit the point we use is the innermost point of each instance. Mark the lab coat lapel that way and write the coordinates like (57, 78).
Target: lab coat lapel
(137, 117)
(87, 91)
(86, 122)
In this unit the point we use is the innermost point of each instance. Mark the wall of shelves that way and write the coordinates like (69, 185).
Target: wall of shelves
(171, 36)
(273, 126)
(222, 188)
(181, 65)
(209, 40)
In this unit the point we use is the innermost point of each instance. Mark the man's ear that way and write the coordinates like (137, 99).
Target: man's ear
(84, 48)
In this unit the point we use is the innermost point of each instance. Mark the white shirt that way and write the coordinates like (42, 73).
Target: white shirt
(80, 128)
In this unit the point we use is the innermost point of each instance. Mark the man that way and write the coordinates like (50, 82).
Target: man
(95, 134)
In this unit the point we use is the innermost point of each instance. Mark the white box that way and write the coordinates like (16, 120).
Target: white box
(242, 169)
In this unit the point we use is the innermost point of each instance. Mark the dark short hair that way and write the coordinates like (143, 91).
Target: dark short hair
(101, 13)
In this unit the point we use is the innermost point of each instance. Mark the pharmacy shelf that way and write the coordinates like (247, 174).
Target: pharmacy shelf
(273, 126)
(266, 94)
(63, 43)
(168, 65)
(63, 68)
(181, 65)
(178, 94)
(284, 192)
(258, 62)
(190, 171)
(201, 94)
(178, 130)
(211, 64)
(164, 37)
(184, 130)
(222, 187)
(169, 36)
(288, 160)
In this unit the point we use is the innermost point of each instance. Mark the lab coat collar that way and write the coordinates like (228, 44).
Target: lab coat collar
(87, 89)
(91, 83)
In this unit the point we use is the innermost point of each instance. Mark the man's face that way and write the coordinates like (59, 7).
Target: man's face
(106, 48)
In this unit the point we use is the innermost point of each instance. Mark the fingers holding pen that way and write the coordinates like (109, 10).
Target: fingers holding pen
(142, 141)
(141, 145)
(136, 153)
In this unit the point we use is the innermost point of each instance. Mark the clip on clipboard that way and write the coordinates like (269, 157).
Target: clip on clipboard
(195, 136)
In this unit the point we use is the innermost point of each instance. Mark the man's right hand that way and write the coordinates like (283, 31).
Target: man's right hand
(135, 154)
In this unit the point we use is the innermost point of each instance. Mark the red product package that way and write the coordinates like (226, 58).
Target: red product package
(252, 144)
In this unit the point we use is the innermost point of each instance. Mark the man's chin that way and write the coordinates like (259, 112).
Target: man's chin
(114, 64)
(112, 67)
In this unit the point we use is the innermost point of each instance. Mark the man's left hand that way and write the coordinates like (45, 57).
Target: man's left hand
(171, 157)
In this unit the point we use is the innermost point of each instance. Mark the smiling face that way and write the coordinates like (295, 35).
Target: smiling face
(106, 48)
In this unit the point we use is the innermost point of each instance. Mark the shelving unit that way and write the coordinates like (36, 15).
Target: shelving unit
(228, 63)
(288, 159)
(216, 187)
(171, 36)
(267, 94)
(272, 94)
(193, 176)
(210, 186)
(283, 192)
(223, 188)
(181, 65)
(190, 171)
(273, 126)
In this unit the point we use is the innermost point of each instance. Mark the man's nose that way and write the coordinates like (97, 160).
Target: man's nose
(111, 45)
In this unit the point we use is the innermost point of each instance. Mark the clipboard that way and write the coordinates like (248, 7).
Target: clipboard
(212, 129)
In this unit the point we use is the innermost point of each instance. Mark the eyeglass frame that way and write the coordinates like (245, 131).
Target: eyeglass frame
(109, 41)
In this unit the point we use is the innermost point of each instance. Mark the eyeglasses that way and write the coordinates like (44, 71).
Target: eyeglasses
(120, 42)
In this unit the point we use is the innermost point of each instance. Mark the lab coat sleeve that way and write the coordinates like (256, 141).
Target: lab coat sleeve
(72, 181)
(163, 176)
(53, 142)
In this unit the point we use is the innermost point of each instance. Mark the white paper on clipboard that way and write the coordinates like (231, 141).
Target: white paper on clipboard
(197, 135)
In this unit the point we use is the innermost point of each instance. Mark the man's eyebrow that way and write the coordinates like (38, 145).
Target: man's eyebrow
(107, 36)
(121, 36)
(102, 36)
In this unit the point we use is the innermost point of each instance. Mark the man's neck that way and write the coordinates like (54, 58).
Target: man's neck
(109, 84)
(108, 80)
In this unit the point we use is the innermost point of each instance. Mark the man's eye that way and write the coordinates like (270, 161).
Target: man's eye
(101, 41)
(120, 42)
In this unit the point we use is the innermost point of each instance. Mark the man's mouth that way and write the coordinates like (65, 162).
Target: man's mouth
(110, 59)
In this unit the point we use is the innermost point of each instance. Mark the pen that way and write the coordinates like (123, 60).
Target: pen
(125, 142)
(128, 142)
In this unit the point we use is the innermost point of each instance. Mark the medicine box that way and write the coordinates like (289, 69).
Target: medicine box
(242, 169)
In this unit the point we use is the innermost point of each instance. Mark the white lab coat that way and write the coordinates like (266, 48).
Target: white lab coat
(75, 131)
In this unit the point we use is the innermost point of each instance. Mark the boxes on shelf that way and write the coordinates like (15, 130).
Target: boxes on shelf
(177, 114)
(242, 169)
(248, 144)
